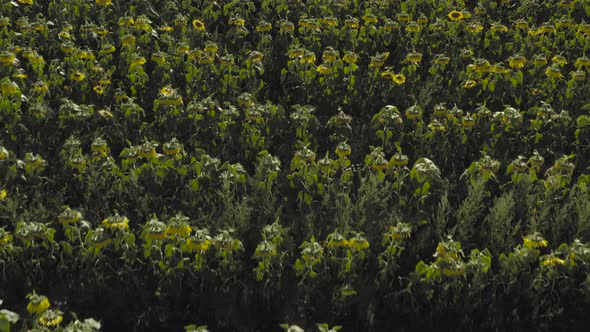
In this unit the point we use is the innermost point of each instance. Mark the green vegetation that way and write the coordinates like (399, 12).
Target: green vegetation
(264, 165)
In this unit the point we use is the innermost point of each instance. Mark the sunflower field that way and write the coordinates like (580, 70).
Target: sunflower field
(268, 165)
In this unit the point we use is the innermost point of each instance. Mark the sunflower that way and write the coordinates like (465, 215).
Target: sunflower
(5, 237)
(516, 61)
(182, 49)
(474, 28)
(77, 76)
(9, 88)
(376, 62)
(206, 60)
(172, 148)
(330, 21)
(534, 240)
(69, 216)
(311, 24)
(582, 62)
(99, 89)
(380, 165)
(107, 49)
(128, 40)
(264, 26)
(583, 28)
(99, 145)
(265, 249)
(237, 21)
(51, 318)
(534, 31)
(390, 25)
(336, 240)
(227, 60)
(287, 27)
(469, 84)
(126, 21)
(40, 86)
(351, 23)
(116, 222)
(330, 55)
(455, 15)
(521, 24)
(166, 91)
(560, 60)
(403, 17)
(350, 57)
(296, 53)
(467, 53)
(414, 113)
(77, 162)
(399, 79)
(154, 230)
(324, 69)
(553, 72)
(84, 55)
(413, 27)
(7, 58)
(36, 59)
(178, 225)
(138, 61)
(548, 28)
(3, 153)
(436, 125)
(308, 57)
(481, 66)
(256, 56)
(498, 68)
(539, 60)
(468, 121)
(578, 75)
(497, 27)
(198, 25)
(67, 47)
(441, 60)
(422, 19)
(37, 303)
(343, 149)
(195, 54)
(414, 57)
(388, 74)
(358, 243)
(370, 19)
(552, 261)
(201, 241)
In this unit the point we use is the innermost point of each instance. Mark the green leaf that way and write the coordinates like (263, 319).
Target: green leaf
(4, 325)
(9, 316)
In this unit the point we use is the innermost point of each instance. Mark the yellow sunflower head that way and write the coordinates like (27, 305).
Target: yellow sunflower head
(399, 79)
(469, 84)
(198, 25)
(51, 318)
(77, 76)
(37, 303)
(455, 15)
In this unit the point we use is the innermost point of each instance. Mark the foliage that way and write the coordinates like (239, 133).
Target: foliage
(247, 163)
